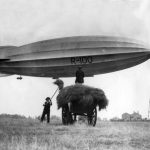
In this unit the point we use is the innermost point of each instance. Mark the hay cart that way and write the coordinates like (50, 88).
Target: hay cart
(80, 100)
(71, 110)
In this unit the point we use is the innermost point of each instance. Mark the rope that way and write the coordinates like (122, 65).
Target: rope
(54, 93)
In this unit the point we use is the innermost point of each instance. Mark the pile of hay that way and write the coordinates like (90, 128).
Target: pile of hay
(83, 95)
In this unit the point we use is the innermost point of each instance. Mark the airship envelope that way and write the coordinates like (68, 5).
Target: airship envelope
(61, 57)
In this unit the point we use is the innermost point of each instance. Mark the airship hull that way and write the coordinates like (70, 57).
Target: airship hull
(61, 57)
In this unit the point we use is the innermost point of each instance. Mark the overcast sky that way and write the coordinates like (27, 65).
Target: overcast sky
(23, 22)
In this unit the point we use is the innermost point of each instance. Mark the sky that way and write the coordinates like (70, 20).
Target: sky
(23, 22)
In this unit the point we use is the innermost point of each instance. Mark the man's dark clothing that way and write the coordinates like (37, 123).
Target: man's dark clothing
(46, 111)
(79, 76)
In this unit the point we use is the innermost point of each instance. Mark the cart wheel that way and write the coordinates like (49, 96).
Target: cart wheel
(66, 115)
(65, 112)
(92, 118)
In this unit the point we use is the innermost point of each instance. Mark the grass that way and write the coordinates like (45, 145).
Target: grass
(30, 134)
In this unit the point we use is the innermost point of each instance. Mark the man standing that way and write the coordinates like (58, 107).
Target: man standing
(46, 110)
(79, 76)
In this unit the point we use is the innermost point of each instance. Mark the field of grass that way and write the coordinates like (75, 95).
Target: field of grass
(29, 134)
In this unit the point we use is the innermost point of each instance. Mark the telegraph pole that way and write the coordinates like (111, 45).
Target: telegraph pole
(149, 110)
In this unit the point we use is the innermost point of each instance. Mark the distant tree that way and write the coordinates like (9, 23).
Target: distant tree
(126, 117)
(145, 119)
(14, 116)
(115, 119)
(105, 119)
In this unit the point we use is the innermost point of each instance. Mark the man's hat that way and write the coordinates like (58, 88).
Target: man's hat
(47, 98)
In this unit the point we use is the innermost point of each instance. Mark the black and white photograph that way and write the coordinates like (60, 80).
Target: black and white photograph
(74, 75)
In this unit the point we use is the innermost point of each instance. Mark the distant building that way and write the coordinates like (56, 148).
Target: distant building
(135, 116)
(126, 117)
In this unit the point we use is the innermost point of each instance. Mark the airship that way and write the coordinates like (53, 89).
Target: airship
(61, 57)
